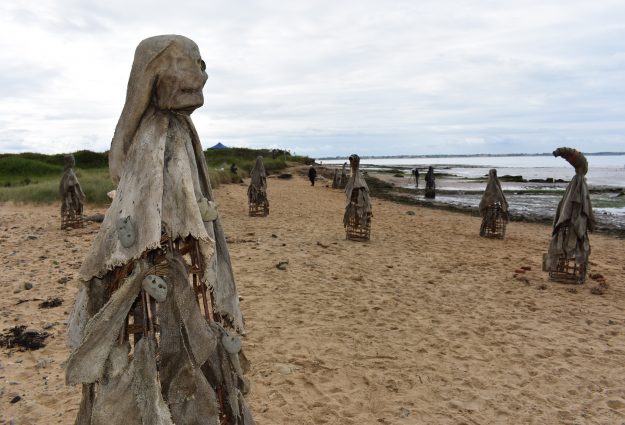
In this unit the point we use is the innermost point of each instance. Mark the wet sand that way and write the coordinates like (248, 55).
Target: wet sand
(423, 324)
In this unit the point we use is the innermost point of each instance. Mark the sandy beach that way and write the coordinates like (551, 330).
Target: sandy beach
(424, 324)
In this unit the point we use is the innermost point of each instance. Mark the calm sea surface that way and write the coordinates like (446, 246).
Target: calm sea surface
(605, 174)
(603, 170)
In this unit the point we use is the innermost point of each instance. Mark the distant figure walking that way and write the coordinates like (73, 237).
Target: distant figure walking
(415, 173)
(312, 174)
(430, 184)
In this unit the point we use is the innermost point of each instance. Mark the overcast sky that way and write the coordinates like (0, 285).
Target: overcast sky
(328, 77)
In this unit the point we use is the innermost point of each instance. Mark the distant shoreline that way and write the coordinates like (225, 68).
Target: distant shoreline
(473, 155)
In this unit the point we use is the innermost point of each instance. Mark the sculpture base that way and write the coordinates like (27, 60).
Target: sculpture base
(568, 271)
(259, 210)
(494, 223)
(355, 231)
(71, 220)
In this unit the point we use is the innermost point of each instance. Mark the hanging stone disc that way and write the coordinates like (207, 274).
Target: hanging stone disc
(126, 232)
(155, 286)
(208, 209)
(231, 343)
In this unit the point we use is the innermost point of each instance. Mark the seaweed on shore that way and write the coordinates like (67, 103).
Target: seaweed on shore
(23, 339)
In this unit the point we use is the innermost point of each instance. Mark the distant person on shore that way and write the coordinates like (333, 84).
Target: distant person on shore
(415, 173)
(430, 184)
(312, 174)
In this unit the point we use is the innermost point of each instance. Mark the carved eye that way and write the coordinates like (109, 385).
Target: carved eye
(202, 65)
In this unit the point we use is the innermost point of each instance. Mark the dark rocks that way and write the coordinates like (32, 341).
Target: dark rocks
(29, 286)
(16, 399)
(51, 303)
(23, 339)
(96, 218)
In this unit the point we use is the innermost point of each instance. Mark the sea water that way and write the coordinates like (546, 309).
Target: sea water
(606, 175)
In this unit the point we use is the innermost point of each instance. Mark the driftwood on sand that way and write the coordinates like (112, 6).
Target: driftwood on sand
(493, 209)
(567, 257)
(357, 217)
(153, 331)
(72, 196)
(257, 191)
(430, 184)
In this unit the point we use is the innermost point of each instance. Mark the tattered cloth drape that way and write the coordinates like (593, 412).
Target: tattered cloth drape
(494, 195)
(257, 191)
(574, 216)
(357, 193)
(162, 213)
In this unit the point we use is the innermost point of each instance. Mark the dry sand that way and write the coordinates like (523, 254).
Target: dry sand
(425, 324)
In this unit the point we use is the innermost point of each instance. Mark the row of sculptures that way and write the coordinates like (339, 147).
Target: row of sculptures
(569, 249)
(155, 328)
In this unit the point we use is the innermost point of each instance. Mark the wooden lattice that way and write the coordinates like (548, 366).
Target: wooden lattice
(143, 317)
(494, 222)
(357, 231)
(259, 210)
(70, 218)
(568, 270)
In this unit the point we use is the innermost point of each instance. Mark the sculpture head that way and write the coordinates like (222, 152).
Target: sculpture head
(69, 162)
(492, 173)
(354, 161)
(167, 73)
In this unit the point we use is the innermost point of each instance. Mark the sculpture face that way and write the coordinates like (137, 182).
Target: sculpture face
(181, 78)
(69, 162)
(354, 161)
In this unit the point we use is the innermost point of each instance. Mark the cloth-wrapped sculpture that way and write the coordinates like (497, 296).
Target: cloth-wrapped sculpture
(153, 331)
(72, 196)
(336, 179)
(493, 209)
(430, 184)
(343, 179)
(357, 217)
(567, 258)
(257, 191)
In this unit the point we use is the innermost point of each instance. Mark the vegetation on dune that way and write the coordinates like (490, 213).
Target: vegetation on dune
(34, 177)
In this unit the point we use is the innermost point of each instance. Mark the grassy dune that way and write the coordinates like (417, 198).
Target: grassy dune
(34, 178)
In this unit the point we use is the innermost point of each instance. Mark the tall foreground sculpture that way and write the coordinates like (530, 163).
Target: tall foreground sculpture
(567, 258)
(153, 332)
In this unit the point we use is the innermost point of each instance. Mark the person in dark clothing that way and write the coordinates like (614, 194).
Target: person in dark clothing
(312, 175)
(415, 173)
